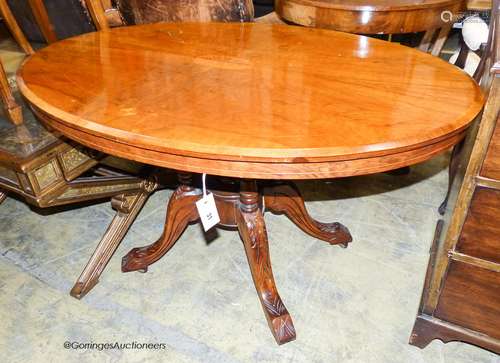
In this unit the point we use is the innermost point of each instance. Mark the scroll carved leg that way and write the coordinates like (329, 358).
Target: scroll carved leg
(181, 211)
(252, 229)
(285, 198)
(127, 207)
(3, 195)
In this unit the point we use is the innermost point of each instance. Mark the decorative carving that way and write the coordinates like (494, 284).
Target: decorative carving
(285, 198)
(47, 174)
(181, 211)
(93, 190)
(3, 195)
(252, 229)
(245, 206)
(73, 158)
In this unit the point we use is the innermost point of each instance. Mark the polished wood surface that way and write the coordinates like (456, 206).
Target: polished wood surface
(251, 100)
(368, 16)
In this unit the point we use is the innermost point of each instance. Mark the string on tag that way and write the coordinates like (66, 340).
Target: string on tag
(204, 185)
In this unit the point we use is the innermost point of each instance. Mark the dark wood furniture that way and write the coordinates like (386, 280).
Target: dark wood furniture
(47, 170)
(376, 17)
(49, 20)
(153, 11)
(216, 98)
(461, 297)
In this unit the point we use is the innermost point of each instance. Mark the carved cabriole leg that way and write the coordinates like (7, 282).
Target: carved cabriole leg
(286, 198)
(181, 211)
(127, 207)
(252, 229)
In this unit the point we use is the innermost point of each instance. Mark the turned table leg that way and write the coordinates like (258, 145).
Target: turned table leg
(285, 198)
(127, 208)
(181, 211)
(252, 229)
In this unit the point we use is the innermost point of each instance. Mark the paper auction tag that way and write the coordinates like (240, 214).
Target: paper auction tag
(208, 211)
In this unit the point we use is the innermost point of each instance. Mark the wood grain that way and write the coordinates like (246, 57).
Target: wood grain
(470, 298)
(480, 235)
(491, 165)
(219, 96)
(368, 17)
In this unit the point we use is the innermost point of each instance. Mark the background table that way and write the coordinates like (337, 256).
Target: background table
(250, 101)
(368, 16)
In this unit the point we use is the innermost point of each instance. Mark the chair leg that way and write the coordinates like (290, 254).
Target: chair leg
(3, 195)
(452, 172)
(11, 23)
(42, 19)
(128, 207)
(12, 110)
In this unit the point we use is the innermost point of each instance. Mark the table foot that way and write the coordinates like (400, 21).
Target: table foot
(181, 211)
(252, 229)
(286, 198)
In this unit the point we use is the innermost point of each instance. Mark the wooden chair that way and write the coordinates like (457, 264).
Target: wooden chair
(48, 170)
(133, 12)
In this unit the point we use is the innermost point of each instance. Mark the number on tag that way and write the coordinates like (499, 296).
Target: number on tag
(208, 211)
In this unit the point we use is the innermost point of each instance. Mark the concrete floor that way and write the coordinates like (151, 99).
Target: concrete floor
(349, 305)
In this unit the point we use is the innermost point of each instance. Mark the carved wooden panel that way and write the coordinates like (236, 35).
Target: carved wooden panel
(154, 11)
(471, 298)
(481, 231)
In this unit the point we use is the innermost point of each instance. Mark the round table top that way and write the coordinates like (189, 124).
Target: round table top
(370, 16)
(251, 100)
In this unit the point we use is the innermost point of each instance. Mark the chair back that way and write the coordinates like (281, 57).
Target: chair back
(154, 11)
(489, 66)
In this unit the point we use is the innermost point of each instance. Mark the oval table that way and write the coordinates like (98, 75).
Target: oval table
(257, 105)
(369, 16)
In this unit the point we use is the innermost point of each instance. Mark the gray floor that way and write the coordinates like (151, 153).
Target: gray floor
(348, 305)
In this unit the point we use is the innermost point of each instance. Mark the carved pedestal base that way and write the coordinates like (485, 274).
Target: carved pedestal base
(244, 211)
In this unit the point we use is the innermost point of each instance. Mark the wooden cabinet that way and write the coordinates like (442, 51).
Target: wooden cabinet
(461, 298)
